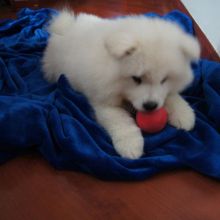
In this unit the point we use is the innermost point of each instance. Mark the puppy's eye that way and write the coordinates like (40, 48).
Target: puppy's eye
(137, 79)
(164, 80)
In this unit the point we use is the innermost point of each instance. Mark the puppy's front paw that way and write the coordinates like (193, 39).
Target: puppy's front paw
(130, 147)
(182, 118)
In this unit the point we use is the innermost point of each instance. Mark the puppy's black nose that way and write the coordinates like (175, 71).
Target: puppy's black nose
(150, 106)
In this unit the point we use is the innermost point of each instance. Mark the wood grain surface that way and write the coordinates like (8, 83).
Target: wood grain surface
(30, 189)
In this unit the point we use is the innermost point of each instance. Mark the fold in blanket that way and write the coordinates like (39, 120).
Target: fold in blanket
(58, 122)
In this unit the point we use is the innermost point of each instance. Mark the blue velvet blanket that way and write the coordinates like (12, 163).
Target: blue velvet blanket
(58, 122)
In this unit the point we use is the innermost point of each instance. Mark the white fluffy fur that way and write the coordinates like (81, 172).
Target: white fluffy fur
(100, 56)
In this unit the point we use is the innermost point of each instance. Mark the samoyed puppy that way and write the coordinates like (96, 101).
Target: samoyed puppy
(143, 60)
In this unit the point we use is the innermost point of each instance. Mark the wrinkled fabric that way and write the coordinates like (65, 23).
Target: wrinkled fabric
(58, 121)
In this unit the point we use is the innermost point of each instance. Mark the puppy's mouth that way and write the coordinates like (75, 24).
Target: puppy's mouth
(129, 107)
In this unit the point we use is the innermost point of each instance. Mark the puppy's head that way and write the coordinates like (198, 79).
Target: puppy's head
(154, 60)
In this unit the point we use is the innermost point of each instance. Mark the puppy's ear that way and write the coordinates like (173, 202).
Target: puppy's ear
(190, 47)
(121, 44)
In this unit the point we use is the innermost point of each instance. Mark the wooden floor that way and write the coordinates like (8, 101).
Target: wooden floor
(30, 189)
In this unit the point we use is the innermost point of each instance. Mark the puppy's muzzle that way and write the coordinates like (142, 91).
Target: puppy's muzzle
(150, 106)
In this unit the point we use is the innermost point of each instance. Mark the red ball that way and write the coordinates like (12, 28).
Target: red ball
(152, 122)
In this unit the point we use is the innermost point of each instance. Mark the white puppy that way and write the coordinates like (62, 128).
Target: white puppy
(143, 60)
